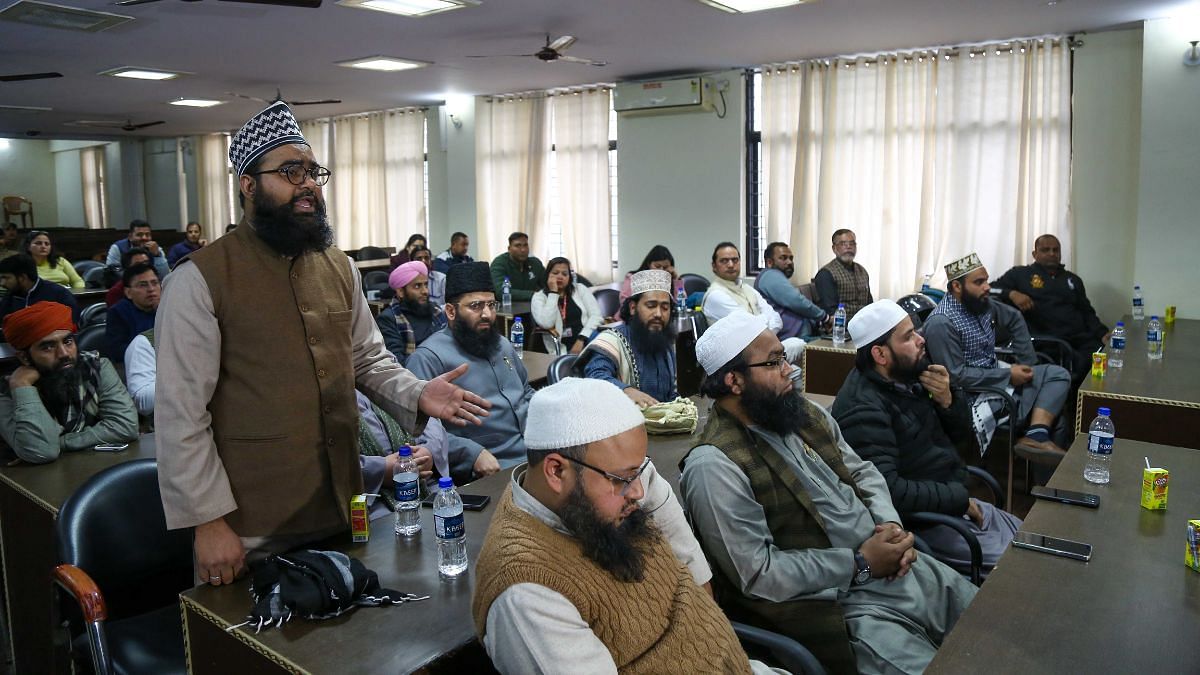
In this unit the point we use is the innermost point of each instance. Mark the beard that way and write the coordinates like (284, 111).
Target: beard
(59, 386)
(910, 372)
(480, 344)
(781, 413)
(652, 341)
(975, 305)
(416, 308)
(286, 232)
(620, 549)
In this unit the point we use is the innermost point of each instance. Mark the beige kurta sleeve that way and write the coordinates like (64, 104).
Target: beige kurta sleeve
(376, 372)
(195, 488)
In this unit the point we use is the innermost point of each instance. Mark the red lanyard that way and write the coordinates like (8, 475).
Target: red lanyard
(562, 306)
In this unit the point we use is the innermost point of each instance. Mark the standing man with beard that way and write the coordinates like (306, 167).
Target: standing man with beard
(802, 532)
(496, 373)
(800, 316)
(843, 280)
(262, 337)
(589, 563)
(961, 335)
(437, 280)
(639, 355)
(410, 318)
(899, 412)
(58, 399)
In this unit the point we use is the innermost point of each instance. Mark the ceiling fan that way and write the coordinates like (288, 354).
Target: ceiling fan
(553, 51)
(308, 4)
(21, 77)
(127, 125)
(279, 97)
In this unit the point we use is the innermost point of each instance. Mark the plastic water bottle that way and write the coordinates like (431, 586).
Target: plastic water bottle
(506, 294)
(1154, 338)
(450, 530)
(925, 282)
(1139, 310)
(839, 324)
(681, 302)
(1116, 346)
(517, 337)
(1101, 436)
(406, 481)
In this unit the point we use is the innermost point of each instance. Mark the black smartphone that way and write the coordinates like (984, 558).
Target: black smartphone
(470, 502)
(1066, 548)
(1066, 496)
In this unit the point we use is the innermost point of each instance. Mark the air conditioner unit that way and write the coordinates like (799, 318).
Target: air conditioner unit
(661, 97)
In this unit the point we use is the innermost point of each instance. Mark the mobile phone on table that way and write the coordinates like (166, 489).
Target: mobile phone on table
(1066, 496)
(470, 502)
(111, 447)
(1066, 548)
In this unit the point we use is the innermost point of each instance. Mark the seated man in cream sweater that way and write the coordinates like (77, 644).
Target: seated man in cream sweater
(728, 294)
(588, 559)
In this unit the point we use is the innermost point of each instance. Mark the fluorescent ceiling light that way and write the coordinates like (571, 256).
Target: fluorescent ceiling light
(742, 6)
(24, 108)
(196, 102)
(142, 73)
(409, 7)
(387, 64)
(59, 16)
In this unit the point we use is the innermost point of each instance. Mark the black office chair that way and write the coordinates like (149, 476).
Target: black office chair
(83, 266)
(609, 300)
(929, 519)
(125, 570)
(583, 281)
(693, 283)
(375, 280)
(560, 368)
(783, 650)
(92, 315)
(372, 253)
(90, 338)
(918, 306)
(96, 278)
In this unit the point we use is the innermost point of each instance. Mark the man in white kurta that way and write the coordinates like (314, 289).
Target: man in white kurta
(729, 294)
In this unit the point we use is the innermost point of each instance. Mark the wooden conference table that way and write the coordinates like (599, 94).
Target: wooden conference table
(30, 497)
(1135, 608)
(826, 366)
(1157, 401)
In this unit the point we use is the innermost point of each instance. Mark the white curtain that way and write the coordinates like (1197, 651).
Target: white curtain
(584, 204)
(926, 158)
(215, 188)
(512, 152)
(91, 170)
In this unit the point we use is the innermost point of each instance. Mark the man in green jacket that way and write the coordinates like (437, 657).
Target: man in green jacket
(524, 272)
(58, 399)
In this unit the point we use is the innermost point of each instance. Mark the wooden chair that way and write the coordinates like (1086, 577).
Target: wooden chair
(18, 206)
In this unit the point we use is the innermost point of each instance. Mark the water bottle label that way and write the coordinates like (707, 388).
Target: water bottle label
(1137, 302)
(449, 527)
(407, 490)
(1100, 445)
(1153, 336)
(1118, 343)
(839, 321)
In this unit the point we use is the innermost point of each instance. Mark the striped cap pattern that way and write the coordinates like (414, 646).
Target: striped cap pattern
(269, 129)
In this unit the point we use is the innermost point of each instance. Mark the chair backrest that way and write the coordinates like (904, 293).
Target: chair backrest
(15, 205)
(694, 283)
(375, 280)
(609, 300)
(560, 368)
(90, 338)
(82, 266)
(701, 323)
(809, 291)
(94, 278)
(92, 315)
(918, 306)
(372, 253)
(114, 529)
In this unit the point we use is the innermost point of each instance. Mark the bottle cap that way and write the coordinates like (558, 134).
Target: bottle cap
(1105, 412)
(1154, 317)
(405, 451)
(1121, 324)
(841, 305)
(516, 319)
(445, 482)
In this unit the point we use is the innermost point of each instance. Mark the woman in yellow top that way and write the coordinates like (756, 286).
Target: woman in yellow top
(50, 265)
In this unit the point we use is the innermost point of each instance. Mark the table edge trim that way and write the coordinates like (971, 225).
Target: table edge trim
(272, 655)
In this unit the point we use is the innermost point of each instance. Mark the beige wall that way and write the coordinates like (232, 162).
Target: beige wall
(27, 170)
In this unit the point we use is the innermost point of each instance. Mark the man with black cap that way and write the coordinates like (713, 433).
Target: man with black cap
(262, 337)
(496, 373)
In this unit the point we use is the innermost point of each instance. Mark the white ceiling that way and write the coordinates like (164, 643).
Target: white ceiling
(253, 49)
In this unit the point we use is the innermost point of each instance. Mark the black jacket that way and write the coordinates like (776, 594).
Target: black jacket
(910, 439)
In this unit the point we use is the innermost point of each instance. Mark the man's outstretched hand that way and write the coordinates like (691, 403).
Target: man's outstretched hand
(449, 402)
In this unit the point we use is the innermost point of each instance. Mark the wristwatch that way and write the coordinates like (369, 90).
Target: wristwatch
(863, 575)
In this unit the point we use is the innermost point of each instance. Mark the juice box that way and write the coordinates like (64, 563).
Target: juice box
(1154, 488)
(360, 522)
(1193, 545)
(1099, 364)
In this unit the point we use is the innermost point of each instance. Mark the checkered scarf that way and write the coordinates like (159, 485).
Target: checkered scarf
(406, 329)
(978, 332)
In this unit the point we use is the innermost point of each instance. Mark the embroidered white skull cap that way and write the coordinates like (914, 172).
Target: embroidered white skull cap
(650, 280)
(576, 411)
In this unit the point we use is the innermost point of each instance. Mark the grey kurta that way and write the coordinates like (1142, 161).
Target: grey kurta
(894, 626)
(501, 379)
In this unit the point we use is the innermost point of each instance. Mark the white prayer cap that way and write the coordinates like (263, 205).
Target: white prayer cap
(726, 338)
(872, 321)
(576, 411)
(650, 280)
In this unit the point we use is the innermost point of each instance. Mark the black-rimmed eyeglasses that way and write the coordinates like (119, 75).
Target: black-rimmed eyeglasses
(620, 484)
(777, 362)
(295, 173)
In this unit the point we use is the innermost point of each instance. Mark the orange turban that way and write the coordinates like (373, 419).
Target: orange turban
(26, 326)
